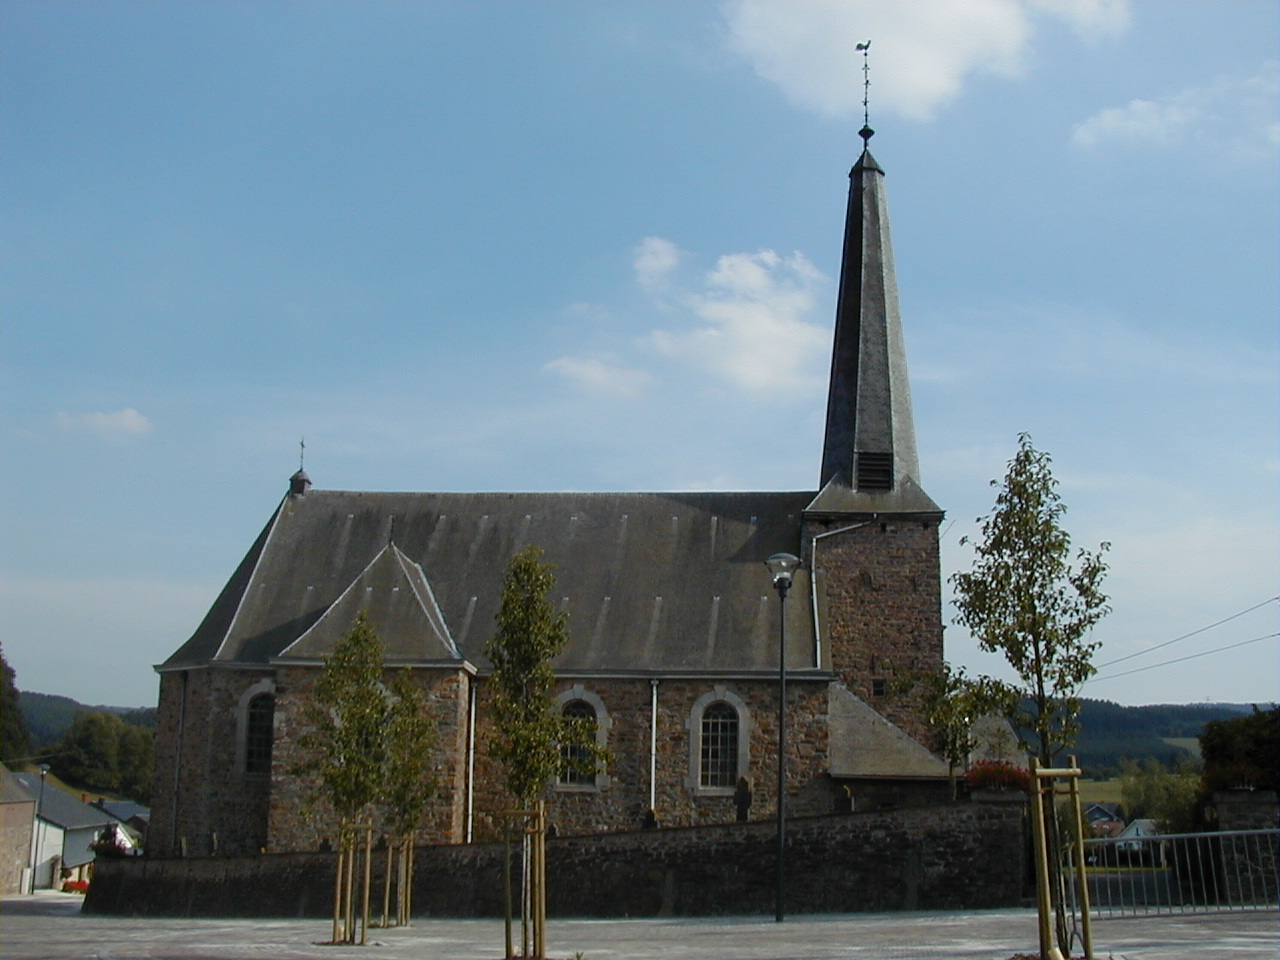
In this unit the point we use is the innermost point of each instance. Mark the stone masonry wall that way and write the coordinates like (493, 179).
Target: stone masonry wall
(201, 797)
(883, 609)
(952, 856)
(621, 802)
(16, 820)
(447, 695)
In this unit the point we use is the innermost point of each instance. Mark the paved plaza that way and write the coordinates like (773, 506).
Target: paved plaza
(50, 925)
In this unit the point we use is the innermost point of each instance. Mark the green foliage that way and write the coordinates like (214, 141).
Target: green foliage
(369, 747)
(1243, 753)
(15, 741)
(410, 738)
(346, 719)
(529, 732)
(50, 716)
(1024, 599)
(102, 752)
(1151, 791)
(952, 701)
(137, 761)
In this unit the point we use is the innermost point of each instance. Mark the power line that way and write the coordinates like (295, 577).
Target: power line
(1190, 656)
(1185, 636)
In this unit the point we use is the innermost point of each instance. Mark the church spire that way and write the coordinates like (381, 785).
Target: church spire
(870, 444)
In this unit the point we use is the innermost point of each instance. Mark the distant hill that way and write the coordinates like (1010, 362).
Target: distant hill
(49, 716)
(1112, 735)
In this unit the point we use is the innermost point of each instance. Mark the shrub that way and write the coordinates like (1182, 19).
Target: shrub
(75, 886)
(997, 775)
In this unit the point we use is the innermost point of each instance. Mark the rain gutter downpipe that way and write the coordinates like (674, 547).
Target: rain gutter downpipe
(813, 582)
(471, 756)
(653, 744)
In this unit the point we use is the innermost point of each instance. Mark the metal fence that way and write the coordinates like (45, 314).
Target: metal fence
(1230, 870)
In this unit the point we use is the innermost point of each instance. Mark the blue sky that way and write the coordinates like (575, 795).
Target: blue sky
(593, 246)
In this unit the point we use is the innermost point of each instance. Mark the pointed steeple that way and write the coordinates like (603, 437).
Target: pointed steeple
(870, 443)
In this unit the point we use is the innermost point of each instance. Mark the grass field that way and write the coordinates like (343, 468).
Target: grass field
(1100, 791)
(1190, 744)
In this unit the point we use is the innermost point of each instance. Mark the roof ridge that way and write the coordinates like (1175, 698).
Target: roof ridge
(252, 578)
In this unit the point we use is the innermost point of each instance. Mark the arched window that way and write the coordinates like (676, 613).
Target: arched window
(587, 706)
(718, 762)
(719, 728)
(576, 769)
(259, 732)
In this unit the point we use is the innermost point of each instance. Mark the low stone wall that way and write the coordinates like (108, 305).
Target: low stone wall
(1246, 809)
(951, 856)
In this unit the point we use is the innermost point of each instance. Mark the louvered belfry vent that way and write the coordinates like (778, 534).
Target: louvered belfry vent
(875, 471)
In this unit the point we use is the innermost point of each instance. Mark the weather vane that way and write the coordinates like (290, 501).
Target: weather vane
(302, 451)
(866, 133)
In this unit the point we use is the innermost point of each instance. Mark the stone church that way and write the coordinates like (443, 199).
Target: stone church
(672, 616)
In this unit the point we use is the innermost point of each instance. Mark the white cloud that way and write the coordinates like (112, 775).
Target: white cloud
(1091, 19)
(600, 376)
(1234, 112)
(923, 50)
(744, 324)
(655, 261)
(754, 332)
(122, 423)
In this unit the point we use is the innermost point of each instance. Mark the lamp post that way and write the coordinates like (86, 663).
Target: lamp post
(37, 828)
(781, 566)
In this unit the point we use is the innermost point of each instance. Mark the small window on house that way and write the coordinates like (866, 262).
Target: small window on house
(877, 687)
(719, 749)
(259, 732)
(576, 767)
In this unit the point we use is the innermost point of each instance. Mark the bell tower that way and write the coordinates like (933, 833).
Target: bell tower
(871, 532)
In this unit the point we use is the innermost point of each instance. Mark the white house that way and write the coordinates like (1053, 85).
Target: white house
(65, 828)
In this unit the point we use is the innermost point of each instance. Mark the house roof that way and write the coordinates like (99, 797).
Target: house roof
(123, 810)
(865, 744)
(652, 582)
(12, 790)
(60, 808)
(392, 589)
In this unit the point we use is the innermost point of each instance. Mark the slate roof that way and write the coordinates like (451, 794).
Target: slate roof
(654, 583)
(390, 590)
(865, 744)
(12, 789)
(869, 398)
(123, 810)
(60, 808)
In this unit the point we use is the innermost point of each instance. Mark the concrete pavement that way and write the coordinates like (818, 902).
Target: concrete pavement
(50, 925)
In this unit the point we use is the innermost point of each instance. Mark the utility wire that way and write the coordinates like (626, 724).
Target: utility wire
(1191, 656)
(1185, 636)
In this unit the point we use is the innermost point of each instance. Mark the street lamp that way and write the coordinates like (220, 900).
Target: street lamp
(781, 566)
(37, 828)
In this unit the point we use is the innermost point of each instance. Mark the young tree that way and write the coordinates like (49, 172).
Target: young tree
(529, 733)
(409, 782)
(344, 722)
(953, 701)
(1024, 599)
(530, 737)
(15, 740)
(343, 745)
